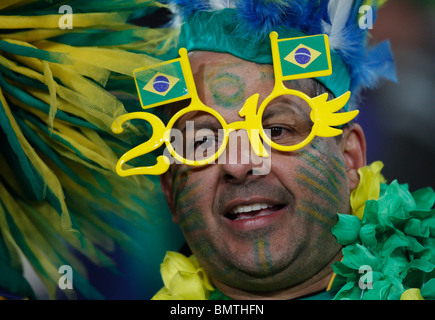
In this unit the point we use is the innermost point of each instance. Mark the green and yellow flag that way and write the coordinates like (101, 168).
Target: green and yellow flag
(305, 57)
(160, 84)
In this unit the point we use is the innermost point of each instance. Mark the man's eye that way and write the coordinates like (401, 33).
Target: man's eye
(276, 131)
(204, 142)
(279, 132)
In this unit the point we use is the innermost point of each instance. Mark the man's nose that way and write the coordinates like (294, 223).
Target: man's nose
(239, 162)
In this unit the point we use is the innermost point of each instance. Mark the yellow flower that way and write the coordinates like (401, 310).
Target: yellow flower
(411, 294)
(183, 278)
(368, 187)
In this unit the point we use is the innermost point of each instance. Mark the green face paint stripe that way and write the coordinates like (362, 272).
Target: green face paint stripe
(339, 166)
(323, 180)
(337, 163)
(312, 210)
(229, 272)
(190, 218)
(179, 181)
(267, 75)
(319, 190)
(180, 176)
(187, 196)
(185, 203)
(233, 100)
(261, 251)
(192, 221)
(321, 167)
(262, 256)
(316, 185)
(203, 249)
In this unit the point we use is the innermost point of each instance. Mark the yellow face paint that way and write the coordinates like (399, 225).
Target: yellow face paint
(157, 92)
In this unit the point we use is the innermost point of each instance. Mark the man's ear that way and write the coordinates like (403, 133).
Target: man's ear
(166, 183)
(353, 147)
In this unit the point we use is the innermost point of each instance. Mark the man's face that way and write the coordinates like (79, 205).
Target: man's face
(283, 237)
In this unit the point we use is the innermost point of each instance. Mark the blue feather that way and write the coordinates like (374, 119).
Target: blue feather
(259, 12)
(377, 64)
(337, 18)
(262, 17)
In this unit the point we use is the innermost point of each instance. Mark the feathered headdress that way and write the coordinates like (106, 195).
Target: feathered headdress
(242, 28)
(61, 202)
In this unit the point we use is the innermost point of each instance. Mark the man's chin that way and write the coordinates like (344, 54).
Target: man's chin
(251, 274)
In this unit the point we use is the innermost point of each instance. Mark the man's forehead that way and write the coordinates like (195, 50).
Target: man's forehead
(217, 58)
(207, 64)
(212, 62)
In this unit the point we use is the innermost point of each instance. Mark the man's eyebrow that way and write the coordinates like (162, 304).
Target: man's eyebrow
(271, 112)
(283, 101)
(203, 122)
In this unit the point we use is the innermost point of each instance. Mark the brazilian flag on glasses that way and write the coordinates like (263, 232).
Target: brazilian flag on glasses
(160, 84)
(305, 57)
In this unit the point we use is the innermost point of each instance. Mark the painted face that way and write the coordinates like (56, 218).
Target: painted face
(252, 231)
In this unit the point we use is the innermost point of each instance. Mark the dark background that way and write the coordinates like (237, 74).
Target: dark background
(399, 119)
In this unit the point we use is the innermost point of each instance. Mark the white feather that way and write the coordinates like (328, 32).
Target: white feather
(221, 4)
(339, 12)
(177, 18)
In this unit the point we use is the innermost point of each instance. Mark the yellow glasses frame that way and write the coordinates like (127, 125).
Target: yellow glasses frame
(323, 115)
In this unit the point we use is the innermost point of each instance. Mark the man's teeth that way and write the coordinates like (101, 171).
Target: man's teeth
(251, 207)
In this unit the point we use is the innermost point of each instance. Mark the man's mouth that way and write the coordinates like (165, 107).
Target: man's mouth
(255, 210)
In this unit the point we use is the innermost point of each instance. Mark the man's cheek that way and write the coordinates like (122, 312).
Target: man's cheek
(322, 184)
